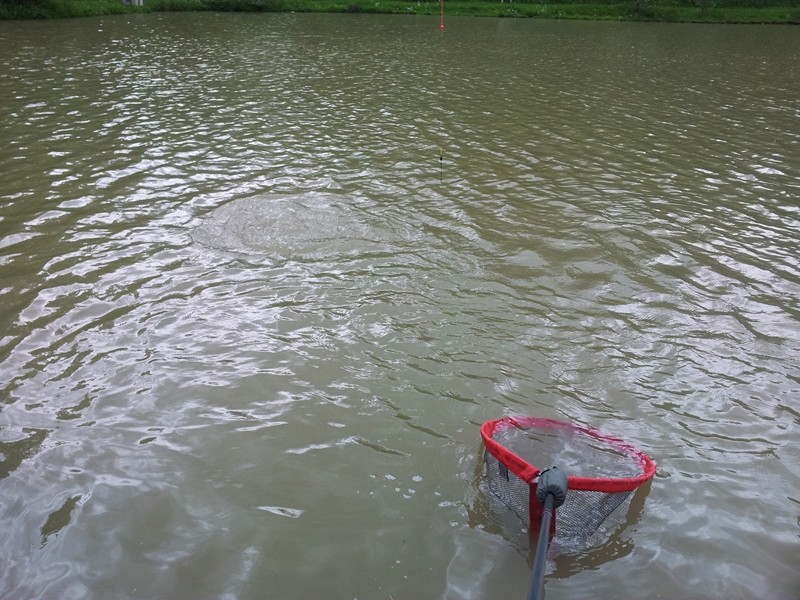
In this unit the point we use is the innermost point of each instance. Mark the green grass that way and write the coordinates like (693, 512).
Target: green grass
(696, 11)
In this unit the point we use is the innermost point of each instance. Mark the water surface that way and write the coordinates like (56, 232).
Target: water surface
(264, 276)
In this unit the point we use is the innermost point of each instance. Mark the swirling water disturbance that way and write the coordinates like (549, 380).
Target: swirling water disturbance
(251, 321)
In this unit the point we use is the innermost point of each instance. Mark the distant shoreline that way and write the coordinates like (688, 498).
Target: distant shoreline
(672, 11)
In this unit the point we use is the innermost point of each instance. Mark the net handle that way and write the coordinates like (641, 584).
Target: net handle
(551, 491)
(528, 472)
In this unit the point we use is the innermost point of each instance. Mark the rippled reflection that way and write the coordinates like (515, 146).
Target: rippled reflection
(264, 276)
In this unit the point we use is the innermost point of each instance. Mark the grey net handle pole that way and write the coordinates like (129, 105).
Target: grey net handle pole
(550, 491)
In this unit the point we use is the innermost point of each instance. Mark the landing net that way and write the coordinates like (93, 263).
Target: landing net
(603, 471)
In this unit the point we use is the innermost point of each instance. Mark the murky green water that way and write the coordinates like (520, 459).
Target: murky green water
(263, 277)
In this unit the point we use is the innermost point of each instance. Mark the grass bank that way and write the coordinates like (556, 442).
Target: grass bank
(681, 11)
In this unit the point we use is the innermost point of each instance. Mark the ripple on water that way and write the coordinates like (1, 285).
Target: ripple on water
(307, 226)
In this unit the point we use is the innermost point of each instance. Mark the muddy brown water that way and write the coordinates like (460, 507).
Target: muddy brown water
(262, 277)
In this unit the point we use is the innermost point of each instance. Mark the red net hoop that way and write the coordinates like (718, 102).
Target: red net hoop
(602, 471)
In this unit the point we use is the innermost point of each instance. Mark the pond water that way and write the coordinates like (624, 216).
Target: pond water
(262, 277)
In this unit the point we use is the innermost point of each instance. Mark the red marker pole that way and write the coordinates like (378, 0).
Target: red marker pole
(441, 15)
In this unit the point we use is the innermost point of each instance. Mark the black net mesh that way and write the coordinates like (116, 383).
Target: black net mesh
(513, 493)
(573, 450)
(582, 516)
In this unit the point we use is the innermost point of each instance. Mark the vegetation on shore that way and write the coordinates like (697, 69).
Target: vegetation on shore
(693, 11)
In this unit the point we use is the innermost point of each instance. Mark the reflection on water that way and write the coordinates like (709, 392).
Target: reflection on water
(205, 394)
